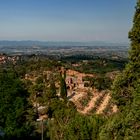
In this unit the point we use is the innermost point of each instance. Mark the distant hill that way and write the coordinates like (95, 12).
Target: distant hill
(64, 48)
(57, 43)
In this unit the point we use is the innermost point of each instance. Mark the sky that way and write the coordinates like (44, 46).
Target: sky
(66, 20)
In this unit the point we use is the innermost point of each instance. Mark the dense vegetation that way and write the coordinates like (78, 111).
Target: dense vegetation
(98, 65)
(19, 98)
(14, 107)
(126, 92)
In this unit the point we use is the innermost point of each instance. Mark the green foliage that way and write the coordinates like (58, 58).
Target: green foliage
(122, 92)
(52, 90)
(67, 123)
(84, 127)
(63, 87)
(39, 80)
(60, 113)
(125, 83)
(100, 66)
(13, 107)
(101, 83)
(126, 93)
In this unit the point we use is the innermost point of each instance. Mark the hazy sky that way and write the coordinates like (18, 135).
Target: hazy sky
(66, 20)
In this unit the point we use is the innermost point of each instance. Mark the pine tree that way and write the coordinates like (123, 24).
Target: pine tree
(134, 36)
(125, 84)
(125, 125)
(13, 107)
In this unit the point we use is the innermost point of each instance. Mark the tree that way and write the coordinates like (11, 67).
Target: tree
(13, 107)
(52, 89)
(126, 93)
(128, 80)
(101, 83)
(63, 87)
(68, 124)
(82, 127)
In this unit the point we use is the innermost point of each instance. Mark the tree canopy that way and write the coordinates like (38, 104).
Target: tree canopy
(126, 92)
(13, 106)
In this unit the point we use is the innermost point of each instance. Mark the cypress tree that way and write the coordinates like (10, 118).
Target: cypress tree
(63, 87)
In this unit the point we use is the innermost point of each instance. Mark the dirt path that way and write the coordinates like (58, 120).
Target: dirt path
(80, 94)
(77, 96)
(103, 104)
(91, 104)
